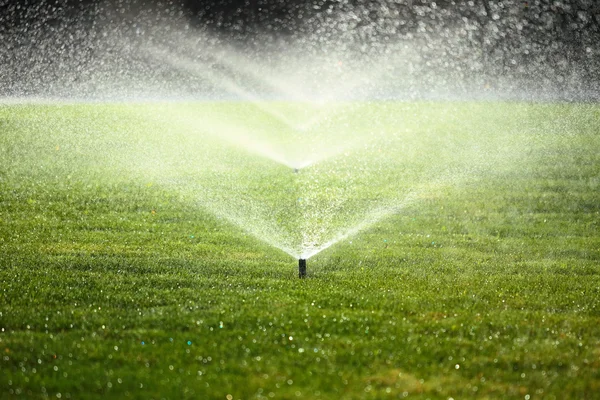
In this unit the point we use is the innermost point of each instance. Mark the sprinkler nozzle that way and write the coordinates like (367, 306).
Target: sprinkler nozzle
(296, 170)
(302, 268)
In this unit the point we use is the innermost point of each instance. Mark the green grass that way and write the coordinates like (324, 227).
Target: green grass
(121, 276)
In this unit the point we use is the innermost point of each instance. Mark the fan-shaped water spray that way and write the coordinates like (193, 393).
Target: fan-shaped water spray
(219, 119)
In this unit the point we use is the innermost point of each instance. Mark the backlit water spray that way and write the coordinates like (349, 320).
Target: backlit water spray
(300, 140)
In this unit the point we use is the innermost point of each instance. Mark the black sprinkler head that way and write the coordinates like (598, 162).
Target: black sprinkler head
(302, 268)
(296, 170)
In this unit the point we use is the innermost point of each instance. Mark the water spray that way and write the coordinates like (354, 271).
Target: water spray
(302, 268)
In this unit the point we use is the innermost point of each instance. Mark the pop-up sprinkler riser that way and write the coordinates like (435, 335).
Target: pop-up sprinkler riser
(302, 268)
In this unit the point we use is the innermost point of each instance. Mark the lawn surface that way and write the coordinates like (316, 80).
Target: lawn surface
(140, 251)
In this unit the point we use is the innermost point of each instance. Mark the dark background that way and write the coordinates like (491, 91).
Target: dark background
(554, 42)
(285, 16)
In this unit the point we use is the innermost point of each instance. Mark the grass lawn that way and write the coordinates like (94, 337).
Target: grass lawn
(141, 251)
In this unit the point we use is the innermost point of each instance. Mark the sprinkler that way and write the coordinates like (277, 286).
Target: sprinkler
(302, 268)
(296, 170)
